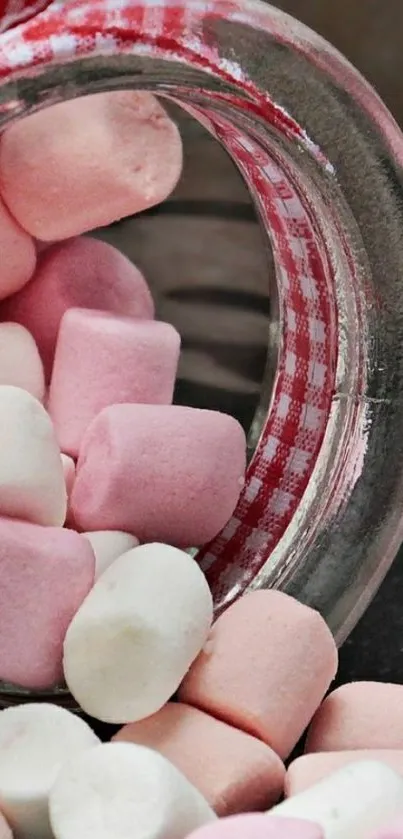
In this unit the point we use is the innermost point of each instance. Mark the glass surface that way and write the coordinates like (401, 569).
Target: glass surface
(319, 383)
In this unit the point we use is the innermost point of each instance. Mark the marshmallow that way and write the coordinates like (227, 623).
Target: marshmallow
(270, 681)
(233, 771)
(81, 272)
(255, 826)
(108, 545)
(88, 163)
(35, 740)
(32, 483)
(308, 770)
(137, 633)
(20, 362)
(69, 471)
(121, 791)
(393, 830)
(360, 715)
(45, 575)
(171, 474)
(5, 832)
(101, 360)
(18, 254)
(354, 801)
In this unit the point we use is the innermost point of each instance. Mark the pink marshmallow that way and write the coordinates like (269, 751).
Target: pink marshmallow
(82, 272)
(45, 573)
(165, 473)
(101, 360)
(89, 162)
(5, 830)
(234, 772)
(394, 830)
(308, 770)
(18, 254)
(360, 715)
(270, 681)
(255, 826)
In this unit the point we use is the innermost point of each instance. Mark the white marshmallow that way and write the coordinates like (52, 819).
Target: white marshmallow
(108, 545)
(20, 362)
(354, 801)
(32, 483)
(69, 471)
(138, 631)
(35, 740)
(123, 791)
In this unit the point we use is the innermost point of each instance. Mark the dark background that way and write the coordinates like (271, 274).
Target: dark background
(370, 34)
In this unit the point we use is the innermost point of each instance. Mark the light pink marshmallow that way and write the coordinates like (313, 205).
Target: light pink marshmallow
(256, 826)
(5, 831)
(45, 573)
(103, 359)
(393, 830)
(81, 272)
(308, 770)
(89, 162)
(165, 473)
(18, 254)
(234, 772)
(266, 667)
(359, 715)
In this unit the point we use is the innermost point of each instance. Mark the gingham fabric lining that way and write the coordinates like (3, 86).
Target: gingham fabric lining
(292, 436)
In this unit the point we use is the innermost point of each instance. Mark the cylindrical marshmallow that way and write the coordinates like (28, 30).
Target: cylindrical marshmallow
(137, 633)
(256, 826)
(271, 680)
(5, 830)
(233, 771)
(121, 791)
(166, 473)
(20, 362)
(87, 163)
(308, 770)
(18, 254)
(392, 830)
(80, 273)
(359, 715)
(103, 359)
(45, 575)
(35, 741)
(354, 801)
(32, 483)
(108, 545)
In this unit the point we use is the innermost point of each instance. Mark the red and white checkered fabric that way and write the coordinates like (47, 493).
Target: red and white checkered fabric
(13, 12)
(291, 439)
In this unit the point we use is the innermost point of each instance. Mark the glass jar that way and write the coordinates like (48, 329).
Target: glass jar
(319, 183)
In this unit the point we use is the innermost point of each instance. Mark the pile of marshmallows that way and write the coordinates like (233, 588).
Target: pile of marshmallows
(94, 458)
(104, 485)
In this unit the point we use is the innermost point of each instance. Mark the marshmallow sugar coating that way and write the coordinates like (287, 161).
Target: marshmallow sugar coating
(45, 575)
(122, 791)
(32, 485)
(131, 642)
(355, 801)
(35, 741)
(80, 273)
(20, 363)
(165, 473)
(87, 163)
(103, 359)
